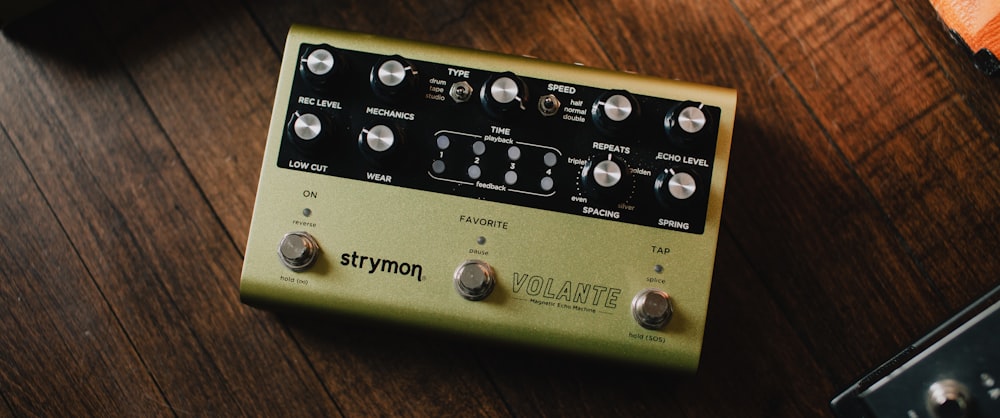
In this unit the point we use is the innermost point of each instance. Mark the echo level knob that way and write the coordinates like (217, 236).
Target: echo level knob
(308, 130)
(320, 64)
(606, 177)
(652, 308)
(686, 123)
(474, 279)
(615, 111)
(675, 186)
(379, 142)
(504, 95)
(297, 250)
(392, 77)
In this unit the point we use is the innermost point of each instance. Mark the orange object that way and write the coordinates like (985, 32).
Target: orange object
(977, 24)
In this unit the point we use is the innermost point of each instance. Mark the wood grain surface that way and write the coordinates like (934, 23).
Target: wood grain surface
(862, 208)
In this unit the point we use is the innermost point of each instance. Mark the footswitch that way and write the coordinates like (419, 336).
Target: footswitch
(503, 197)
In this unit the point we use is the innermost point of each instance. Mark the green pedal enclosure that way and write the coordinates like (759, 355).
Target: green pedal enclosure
(504, 197)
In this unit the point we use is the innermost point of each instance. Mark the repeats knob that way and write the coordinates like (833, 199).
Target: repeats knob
(392, 77)
(652, 308)
(686, 123)
(298, 250)
(474, 279)
(320, 64)
(504, 95)
(379, 142)
(606, 177)
(615, 111)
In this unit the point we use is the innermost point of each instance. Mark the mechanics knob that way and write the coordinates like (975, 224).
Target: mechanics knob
(309, 130)
(474, 280)
(652, 308)
(675, 186)
(606, 177)
(380, 142)
(320, 64)
(615, 111)
(392, 77)
(504, 95)
(297, 250)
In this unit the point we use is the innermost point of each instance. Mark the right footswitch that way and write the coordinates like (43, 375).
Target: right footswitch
(652, 308)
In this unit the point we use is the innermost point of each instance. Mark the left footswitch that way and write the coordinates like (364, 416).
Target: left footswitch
(298, 250)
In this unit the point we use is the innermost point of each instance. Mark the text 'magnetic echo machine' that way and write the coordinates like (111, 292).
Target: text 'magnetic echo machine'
(504, 197)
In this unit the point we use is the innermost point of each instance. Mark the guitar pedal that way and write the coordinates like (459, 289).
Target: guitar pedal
(495, 196)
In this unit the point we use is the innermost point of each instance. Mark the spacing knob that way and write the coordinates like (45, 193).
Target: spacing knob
(474, 279)
(606, 177)
(392, 77)
(675, 186)
(615, 111)
(380, 143)
(504, 95)
(652, 308)
(298, 250)
(686, 123)
(320, 64)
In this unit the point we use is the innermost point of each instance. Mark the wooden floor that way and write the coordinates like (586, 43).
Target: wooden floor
(862, 208)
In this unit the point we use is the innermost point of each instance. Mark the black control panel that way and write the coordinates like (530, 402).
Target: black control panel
(501, 137)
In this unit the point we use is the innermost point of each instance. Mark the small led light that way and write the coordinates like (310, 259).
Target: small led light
(481, 240)
(306, 212)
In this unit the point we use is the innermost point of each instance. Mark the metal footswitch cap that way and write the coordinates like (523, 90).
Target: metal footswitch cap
(298, 250)
(652, 308)
(474, 279)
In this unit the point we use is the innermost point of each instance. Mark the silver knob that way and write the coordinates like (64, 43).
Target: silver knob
(652, 308)
(607, 173)
(298, 250)
(504, 90)
(391, 73)
(691, 119)
(379, 138)
(319, 62)
(617, 108)
(307, 127)
(474, 279)
(681, 185)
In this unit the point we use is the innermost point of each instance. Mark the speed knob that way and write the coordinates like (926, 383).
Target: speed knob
(320, 64)
(606, 177)
(674, 187)
(504, 95)
(392, 77)
(686, 123)
(615, 111)
(380, 143)
(309, 130)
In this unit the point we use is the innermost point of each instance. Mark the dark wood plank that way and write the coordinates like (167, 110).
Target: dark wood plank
(144, 230)
(71, 337)
(809, 229)
(876, 89)
(219, 127)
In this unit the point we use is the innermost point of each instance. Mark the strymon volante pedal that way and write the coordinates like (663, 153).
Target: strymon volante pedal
(504, 197)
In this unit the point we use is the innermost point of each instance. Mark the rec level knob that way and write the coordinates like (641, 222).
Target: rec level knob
(652, 308)
(320, 64)
(686, 123)
(392, 77)
(615, 111)
(606, 177)
(504, 95)
(297, 250)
